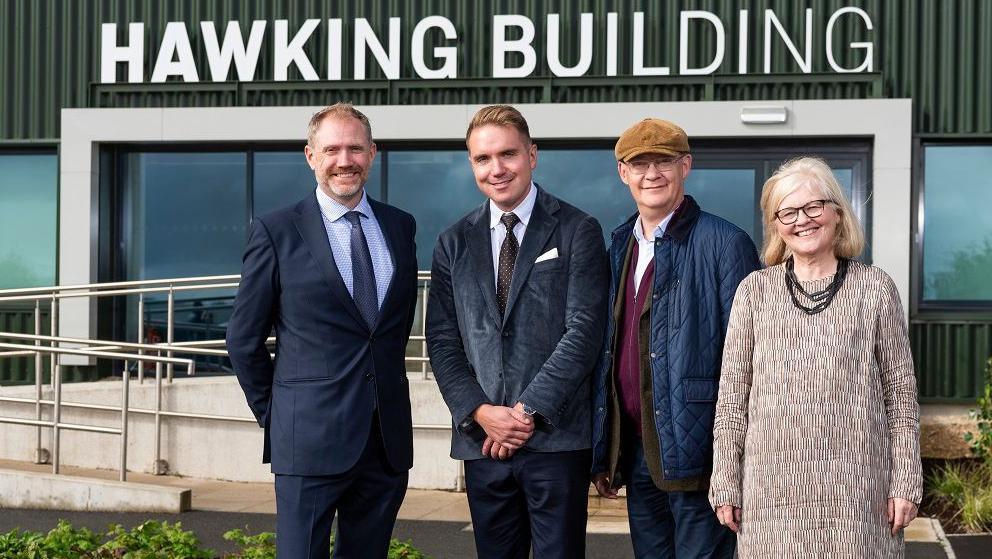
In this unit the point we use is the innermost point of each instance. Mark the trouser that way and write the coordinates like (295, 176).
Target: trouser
(533, 498)
(366, 500)
(670, 524)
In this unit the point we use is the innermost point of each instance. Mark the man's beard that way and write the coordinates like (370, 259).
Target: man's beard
(345, 190)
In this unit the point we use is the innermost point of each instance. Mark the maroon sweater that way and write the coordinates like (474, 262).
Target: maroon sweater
(628, 369)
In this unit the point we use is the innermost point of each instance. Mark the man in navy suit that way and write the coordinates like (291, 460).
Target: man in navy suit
(336, 276)
(516, 314)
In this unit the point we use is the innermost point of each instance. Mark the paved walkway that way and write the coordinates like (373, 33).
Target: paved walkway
(424, 512)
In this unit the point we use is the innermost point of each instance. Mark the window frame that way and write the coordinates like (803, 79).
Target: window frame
(936, 309)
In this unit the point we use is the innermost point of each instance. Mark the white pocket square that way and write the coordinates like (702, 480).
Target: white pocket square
(553, 253)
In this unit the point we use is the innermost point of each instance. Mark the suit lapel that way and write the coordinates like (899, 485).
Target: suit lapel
(481, 252)
(310, 224)
(542, 224)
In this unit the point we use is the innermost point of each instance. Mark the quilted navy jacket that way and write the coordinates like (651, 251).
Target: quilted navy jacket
(699, 262)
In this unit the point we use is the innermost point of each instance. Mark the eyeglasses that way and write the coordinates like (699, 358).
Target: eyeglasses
(641, 166)
(788, 216)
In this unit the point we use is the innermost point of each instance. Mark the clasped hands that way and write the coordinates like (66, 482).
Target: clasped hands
(507, 429)
(899, 514)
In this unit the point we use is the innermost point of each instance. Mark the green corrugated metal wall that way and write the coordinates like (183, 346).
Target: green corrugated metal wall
(934, 51)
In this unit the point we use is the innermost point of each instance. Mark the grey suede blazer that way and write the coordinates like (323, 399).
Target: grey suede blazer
(542, 352)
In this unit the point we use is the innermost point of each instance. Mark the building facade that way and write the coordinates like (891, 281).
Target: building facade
(138, 138)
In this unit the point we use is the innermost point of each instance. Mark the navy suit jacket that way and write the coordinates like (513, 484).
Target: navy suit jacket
(316, 399)
(542, 351)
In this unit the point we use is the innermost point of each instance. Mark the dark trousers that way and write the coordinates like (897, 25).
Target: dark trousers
(670, 525)
(366, 499)
(537, 498)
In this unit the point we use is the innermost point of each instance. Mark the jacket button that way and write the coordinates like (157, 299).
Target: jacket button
(368, 375)
(657, 412)
(607, 353)
(653, 355)
(655, 296)
(506, 333)
(600, 409)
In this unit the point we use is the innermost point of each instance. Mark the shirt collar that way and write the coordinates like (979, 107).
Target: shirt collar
(523, 210)
(658, 232)
(334, 210)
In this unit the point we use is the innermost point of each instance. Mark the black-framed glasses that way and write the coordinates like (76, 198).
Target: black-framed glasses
(663, 164)
(788, 216)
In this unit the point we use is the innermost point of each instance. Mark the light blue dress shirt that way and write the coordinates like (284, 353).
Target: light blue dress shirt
(645, 247)
(339, 236)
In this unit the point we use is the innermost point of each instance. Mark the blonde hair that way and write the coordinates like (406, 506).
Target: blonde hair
(816, 174)
(337, 110)
(499, 115)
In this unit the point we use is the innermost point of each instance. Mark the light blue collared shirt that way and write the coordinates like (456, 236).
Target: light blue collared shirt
(645, 247)
(339, 236)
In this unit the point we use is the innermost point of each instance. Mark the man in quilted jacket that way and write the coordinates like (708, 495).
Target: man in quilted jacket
(675, 269)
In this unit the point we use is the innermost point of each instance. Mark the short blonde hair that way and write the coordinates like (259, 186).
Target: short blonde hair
(337, 110)
(499, 115)
(790, 177)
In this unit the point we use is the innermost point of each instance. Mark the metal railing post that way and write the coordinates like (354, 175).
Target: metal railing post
(141, 336)
(39, 452)
(158, 419)
(125, 401)
(423, 330)
(170, 326)
(57, 387)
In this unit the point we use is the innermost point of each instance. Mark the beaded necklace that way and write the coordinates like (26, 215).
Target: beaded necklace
(822, 298)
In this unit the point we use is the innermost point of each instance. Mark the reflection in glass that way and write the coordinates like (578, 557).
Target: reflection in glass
(283, 178)
(185, 216)
(29, 196)
(728, 193)
(437, 187)
(587, 179)
(957, 237)
(186, 213)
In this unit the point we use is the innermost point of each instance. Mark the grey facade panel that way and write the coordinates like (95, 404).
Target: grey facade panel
(934, 52)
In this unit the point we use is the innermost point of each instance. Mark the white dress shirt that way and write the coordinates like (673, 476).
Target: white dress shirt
(497, 231)
(645, 247)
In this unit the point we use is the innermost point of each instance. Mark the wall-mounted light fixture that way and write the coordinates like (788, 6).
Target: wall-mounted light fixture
(764, 115)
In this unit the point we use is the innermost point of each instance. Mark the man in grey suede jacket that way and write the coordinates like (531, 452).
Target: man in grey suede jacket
(516, 314)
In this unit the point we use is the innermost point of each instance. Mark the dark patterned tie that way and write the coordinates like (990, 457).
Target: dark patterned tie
(363, 286)
(507, 258)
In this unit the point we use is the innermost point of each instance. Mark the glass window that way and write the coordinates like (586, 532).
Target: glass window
(187, 213)
(28, 214)
(587, 179)
(282, 178)
(728, 193)
(957, 233)
(437, 187)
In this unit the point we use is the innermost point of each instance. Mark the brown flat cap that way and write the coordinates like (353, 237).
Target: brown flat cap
(651, 135)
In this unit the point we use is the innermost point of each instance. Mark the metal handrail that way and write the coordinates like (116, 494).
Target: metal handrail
(141, 353)
(115, 284)
(57, 425)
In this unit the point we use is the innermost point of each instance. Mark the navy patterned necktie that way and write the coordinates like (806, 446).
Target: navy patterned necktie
(507, 258)
(363, 286)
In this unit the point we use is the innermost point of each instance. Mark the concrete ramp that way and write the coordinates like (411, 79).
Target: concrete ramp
(35, 490)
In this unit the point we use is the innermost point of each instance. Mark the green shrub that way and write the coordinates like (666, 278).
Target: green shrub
(151, 540)
(981, 442)
(263, 546)
(963, 490)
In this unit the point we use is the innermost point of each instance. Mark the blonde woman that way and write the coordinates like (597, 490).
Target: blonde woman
(816, 438)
